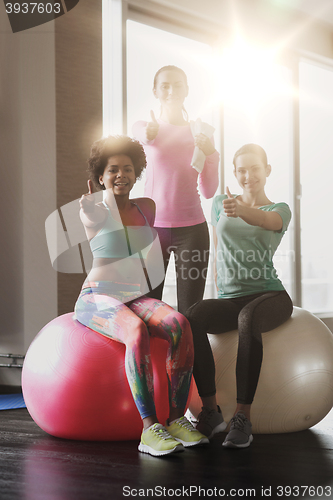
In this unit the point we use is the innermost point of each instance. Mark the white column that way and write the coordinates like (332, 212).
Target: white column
(114, 67)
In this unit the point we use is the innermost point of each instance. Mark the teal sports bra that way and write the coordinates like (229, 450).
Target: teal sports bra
(116, 241)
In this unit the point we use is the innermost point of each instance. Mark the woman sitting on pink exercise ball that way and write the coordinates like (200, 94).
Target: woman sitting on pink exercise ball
(112, 302)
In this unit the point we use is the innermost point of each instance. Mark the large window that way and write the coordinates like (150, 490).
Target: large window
(258, 108)
(316, 135)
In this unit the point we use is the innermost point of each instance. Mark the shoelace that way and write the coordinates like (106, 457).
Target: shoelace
(237, 422)
(162, 433)
(185, 423)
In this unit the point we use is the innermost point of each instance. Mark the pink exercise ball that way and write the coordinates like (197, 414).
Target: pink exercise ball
(295, 389)
(75, 387)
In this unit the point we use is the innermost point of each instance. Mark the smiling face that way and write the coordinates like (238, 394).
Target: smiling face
(171, 88)
(251, 172)
(118, 175)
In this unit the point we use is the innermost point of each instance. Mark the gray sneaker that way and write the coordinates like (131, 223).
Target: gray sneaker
(210, 422)
(240, 434)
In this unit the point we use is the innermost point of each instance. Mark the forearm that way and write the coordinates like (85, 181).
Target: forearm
(209, 177)
(271, 221)
(92, 217)
(139, 132)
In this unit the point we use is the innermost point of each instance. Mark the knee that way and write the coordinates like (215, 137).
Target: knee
(195, 317)
(137, 333)
(184, 324)
(178, 327)
(182, 329)
(192, 314)
(183, 333)
(249, 324)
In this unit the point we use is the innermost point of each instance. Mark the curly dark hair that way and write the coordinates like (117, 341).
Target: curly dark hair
(113, 145)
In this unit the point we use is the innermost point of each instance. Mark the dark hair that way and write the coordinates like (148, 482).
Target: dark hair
(251, 148)
(113, 145)
(172, 68)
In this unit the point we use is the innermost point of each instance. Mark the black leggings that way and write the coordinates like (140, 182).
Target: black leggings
(252, 315)
(191, 248)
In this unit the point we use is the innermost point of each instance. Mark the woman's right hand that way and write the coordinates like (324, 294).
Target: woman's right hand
(152, 127)
(87, 200)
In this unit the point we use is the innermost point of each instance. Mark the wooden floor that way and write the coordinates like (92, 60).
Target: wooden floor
(36, 466)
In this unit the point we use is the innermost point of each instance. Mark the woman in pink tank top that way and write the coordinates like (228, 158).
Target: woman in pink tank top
(173, 184)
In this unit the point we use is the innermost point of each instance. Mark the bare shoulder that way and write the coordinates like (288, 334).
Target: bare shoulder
(148, 207)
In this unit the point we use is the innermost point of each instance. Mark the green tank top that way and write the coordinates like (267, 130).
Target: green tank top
(244, 256)
(116, 241)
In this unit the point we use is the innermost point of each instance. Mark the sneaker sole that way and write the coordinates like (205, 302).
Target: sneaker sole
(187, 444)
(144, 448)
(230, 444)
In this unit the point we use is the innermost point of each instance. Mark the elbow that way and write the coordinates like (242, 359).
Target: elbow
(269, 224)
(208, 191)
(209, 195)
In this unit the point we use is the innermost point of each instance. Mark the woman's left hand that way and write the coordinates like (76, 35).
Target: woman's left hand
(204, 143)
(231, 205)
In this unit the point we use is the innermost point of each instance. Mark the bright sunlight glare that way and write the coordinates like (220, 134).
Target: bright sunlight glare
(247, 77)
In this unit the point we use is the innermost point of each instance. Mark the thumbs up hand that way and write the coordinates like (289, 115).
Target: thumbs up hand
(230, 205)
(152, 127)
(87, 201)
(229, 194)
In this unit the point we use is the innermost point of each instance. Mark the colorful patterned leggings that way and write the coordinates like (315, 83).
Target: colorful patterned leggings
(132, 324)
